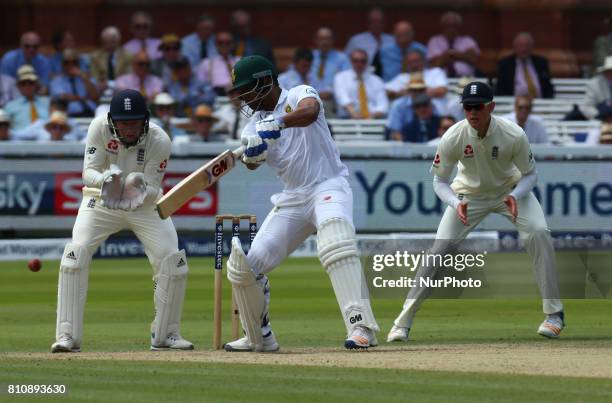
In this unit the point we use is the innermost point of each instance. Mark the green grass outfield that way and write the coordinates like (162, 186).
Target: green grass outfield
(305, 317)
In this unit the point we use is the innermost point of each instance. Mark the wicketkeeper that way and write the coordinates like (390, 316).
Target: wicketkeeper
(289, 132)
(496, 173)
(125, 162)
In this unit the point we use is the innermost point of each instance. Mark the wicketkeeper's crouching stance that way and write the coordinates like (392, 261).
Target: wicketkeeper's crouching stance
(496, 173)
(125, 161)
(289, 132)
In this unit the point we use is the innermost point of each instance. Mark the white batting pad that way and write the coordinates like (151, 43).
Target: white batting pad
(338, 253)
(72, 292)
(171, 281)
(248, 294)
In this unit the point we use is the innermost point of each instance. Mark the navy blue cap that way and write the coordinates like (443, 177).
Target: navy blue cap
(128, 105)
(476, 92)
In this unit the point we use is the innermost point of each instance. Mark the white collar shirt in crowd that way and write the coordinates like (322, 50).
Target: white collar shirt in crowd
(487, 167)
(434, 77)
(368, 42)
(303, 157)
(534, 128)
(149, 156)
(346, 91)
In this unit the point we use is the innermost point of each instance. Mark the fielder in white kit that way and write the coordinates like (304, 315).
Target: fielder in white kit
(289, 132)
(496, 173)
(125, 162)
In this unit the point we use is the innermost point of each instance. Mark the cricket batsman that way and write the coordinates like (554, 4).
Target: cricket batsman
(288, 131)
(125, 162)
(496, 173)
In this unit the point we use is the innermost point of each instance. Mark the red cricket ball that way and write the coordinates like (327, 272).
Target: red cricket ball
(34, 265)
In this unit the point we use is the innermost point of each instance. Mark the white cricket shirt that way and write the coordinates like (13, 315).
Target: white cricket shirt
(150, 156)
(302, 157)
(487, 167)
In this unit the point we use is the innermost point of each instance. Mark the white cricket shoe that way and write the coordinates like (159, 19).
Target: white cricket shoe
(552, 325)
(65, 344)
(174, 341)
(360, 338)
(398, 334)
(242, 345)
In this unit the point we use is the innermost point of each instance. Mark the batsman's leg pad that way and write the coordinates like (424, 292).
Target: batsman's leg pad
(248, 293)
(72, 292)
(338, 253)
(170, 284)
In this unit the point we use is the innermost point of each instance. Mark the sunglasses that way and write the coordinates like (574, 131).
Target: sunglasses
(203, 120)
(477, 107)
(172, 48)
(70, 62)
(142, 26)
(360, 61)
(524, 107)
(27, 82)
(30, 46)
(143, 64)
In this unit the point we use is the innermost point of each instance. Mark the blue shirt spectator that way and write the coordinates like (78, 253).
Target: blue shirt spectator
(200, 44)
(74, 86)
(400, 114)
(299, 73)
(392, 56)
(28, 107)
(372, 40)
(326, 63)
(26, 54)
(64, 39)
(424, 123)
(187, 91)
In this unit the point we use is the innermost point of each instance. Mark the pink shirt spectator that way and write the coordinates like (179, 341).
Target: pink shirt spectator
(439, 44)
(151, 44)
(153, 85)
(215, 71)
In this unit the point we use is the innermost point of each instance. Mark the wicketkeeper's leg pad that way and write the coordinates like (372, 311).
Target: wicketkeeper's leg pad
(248, 294)
(338, 253)
(170, 284)
(72, 292)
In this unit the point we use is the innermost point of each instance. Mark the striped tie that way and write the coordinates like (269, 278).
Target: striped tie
(321, 71)
(531, 88)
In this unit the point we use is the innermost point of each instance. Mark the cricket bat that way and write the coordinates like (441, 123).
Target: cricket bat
(199, 180)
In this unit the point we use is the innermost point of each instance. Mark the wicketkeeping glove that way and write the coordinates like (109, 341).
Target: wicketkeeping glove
(134, 192)
(112, 187)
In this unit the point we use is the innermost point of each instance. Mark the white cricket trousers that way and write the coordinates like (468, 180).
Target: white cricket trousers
(533, 230)
(95, 223)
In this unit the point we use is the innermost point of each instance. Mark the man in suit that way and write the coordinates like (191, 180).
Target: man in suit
(524, 73)
(245, 44)
(110, 60)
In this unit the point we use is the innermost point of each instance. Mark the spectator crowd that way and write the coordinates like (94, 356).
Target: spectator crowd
(376, 75)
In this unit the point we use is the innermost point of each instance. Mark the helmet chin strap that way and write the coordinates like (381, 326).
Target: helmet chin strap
(116, 133)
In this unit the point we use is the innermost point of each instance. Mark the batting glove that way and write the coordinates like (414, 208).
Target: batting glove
(269, 129)
(256, 149)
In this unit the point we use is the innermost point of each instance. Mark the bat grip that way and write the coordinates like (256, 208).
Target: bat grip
(239, 151)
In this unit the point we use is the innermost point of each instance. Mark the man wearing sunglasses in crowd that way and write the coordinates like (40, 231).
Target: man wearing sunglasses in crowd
(141, 78)
(27, 54)
(74, 86)
(496, 173)
(141, 26)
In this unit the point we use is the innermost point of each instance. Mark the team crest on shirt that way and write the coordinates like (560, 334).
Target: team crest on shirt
(437, 160)
(288, 109)
(233, 73)
(468, 151)
(530, 156)
(140, 156)
(494, 152)
(162, 166)
(113, 146)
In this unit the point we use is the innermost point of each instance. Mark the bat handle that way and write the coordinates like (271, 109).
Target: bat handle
(239, 151)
